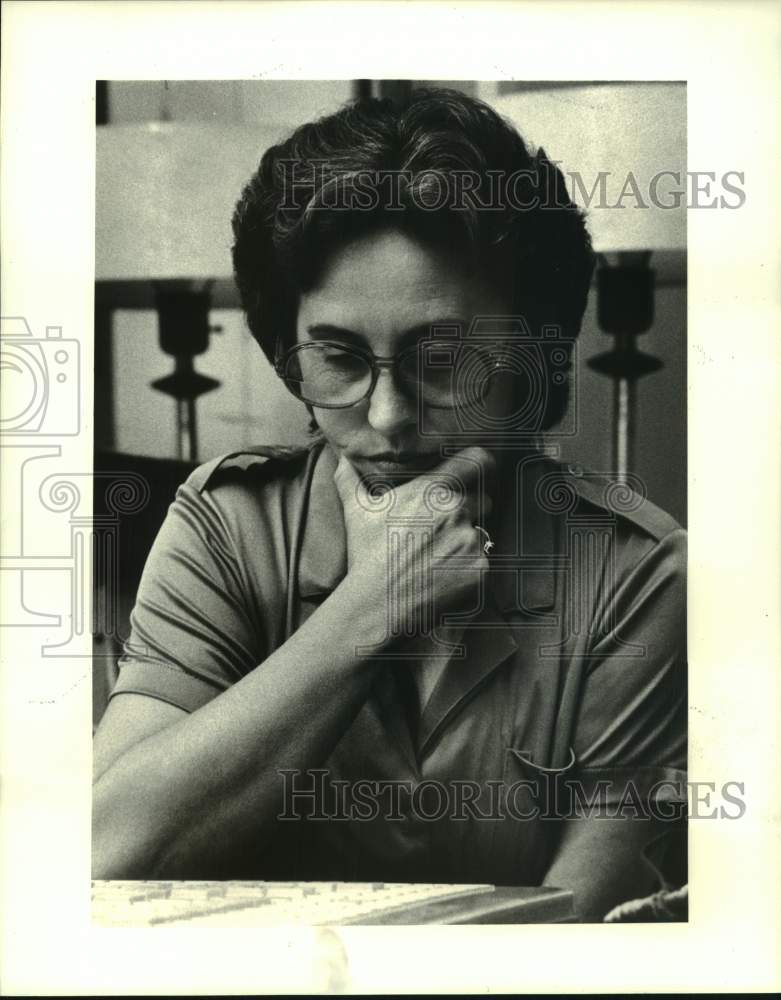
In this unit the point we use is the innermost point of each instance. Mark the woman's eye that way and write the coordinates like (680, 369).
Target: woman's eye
(342, 360)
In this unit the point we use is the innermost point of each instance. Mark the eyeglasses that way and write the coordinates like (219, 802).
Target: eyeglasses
(332, 375)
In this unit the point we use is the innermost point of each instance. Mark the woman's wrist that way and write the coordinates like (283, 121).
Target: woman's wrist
(361, 601)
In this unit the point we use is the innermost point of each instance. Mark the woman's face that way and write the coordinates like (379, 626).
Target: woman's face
(383, 292)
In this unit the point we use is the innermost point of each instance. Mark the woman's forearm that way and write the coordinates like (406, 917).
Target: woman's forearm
(600, 861)
(167, 804)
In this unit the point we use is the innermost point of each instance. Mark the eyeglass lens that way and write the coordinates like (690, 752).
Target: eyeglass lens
(330, 375)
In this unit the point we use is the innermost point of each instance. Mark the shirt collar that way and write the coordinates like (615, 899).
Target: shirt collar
(323, 559)
(522, 570)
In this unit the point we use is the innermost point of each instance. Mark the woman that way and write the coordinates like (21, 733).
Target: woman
(415, 649)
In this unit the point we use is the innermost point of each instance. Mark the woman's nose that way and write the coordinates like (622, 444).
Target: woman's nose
(389, 409)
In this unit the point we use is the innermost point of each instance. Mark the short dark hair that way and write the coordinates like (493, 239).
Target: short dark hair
(329, 183)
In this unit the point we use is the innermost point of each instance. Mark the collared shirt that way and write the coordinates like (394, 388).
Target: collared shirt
(567, 685)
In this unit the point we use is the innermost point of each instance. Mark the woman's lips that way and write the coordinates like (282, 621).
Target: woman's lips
(406, 461)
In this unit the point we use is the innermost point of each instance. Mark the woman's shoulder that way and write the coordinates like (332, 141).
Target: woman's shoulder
(249, 494)
(251, 465)
(579, 493)
(624, 499)
(615, 514)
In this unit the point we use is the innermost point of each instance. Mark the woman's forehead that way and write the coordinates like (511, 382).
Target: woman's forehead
(392, 283)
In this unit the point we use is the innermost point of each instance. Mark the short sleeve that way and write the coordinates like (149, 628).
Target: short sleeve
(192, 630)
(631, 723)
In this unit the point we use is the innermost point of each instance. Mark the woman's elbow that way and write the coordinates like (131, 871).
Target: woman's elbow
(121, 847)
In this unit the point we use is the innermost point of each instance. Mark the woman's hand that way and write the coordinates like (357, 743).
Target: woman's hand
(415, 544)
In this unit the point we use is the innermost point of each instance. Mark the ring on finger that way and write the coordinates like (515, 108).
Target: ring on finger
(488, 544)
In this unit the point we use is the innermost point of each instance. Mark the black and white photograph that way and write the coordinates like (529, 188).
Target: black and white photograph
(412, 643)
(350, 532)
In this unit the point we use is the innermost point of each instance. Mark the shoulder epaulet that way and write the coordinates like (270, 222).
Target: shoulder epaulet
(621, 499)
(247, 458)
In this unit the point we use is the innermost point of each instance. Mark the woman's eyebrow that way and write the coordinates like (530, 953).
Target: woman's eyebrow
(326, 331)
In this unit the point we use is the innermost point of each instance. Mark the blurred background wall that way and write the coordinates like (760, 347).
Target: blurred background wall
(251, 407)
